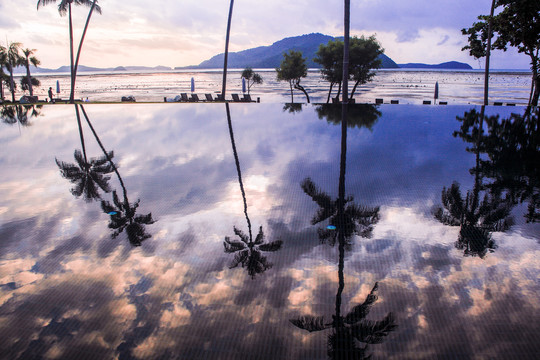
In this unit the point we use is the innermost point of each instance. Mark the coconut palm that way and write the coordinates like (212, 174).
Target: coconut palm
(12, 114)
(123, 217)
(350, 329)
(13, 59)
(4, 78)
(64, 7)
(29, 59)
(88, 175)
(356, 219)
(123, 214)
(248, 252)
(476, 217)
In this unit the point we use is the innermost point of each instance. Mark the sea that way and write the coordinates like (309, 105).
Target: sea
(405, 86)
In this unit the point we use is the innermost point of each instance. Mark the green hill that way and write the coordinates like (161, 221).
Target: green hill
(271, 56)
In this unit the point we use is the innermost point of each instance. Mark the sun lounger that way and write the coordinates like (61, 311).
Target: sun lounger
(379, 101)
(194, 98)
(184, 97)
(236, 98)
(427, 102)
(208, 97)
(247, 98)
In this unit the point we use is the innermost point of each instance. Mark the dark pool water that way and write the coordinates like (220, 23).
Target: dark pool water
(264, 231)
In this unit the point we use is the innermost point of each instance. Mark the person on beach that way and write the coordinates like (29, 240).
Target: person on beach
(51, 94)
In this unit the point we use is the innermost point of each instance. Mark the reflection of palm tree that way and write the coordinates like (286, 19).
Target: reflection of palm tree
(477, 218)
(122, 213)
(353, 327)
(12, 114)
(345, 220)
(89, 176)
(248, 252)
(123, 217)
(355, 219)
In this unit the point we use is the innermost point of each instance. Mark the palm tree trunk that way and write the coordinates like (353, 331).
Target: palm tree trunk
(237, 162)
(346, 52)
(488, 54)
(72, 93)
(12, 83)
(81, 134)
(226, 55)
(29, 79)
(71, 51)
(124, 190)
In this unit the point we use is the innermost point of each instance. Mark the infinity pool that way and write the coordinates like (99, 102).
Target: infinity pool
(268, 231)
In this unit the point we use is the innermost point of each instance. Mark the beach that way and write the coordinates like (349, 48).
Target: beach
(405, 86)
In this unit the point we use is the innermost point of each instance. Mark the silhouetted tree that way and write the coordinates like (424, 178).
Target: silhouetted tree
(28, 81)
(13, 114)
(248, 252)
(123, 214)
(88, 175)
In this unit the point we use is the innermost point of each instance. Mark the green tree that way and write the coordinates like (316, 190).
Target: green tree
(292, 69)
(251, 77)
(27, 82)
(364, 55)
(518, 25)
(64, 7)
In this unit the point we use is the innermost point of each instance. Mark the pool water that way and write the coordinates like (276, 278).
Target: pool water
(269, 231)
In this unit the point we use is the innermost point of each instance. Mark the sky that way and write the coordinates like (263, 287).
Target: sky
(181, 33)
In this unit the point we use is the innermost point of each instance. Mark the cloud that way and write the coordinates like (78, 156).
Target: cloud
(444, 40)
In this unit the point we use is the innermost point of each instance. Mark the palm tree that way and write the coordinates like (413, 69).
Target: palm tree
(64, 7)
(29, 59)
(248, 251)
(92, 8)
(122, 213)
(477, 218)
(348, 329)
(88, 176)
(347, 17)
(12, 114)
(13, 59)
(226, 54)
(355, 219)
(4, 78)
(123, 217)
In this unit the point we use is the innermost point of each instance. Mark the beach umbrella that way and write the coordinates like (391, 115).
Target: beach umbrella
(57, 87)
(436, 96)
(192, 85)
(243, 85)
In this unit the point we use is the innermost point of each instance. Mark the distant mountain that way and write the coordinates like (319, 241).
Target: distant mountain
(271, 56)
(82, 68)
(452, 65)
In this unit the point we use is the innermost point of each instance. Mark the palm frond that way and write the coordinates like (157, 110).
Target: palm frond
(241, 234)
(259, 239)
(272, 246)
(239, 258)
(310, 323)
(374, 332)
(359, 312)
(233, 245)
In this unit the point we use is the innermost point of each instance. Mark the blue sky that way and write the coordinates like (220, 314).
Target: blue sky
(179, 33)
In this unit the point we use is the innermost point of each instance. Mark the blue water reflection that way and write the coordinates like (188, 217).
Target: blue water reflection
(73, 281)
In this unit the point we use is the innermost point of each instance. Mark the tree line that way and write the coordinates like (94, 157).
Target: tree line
(11, 56)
